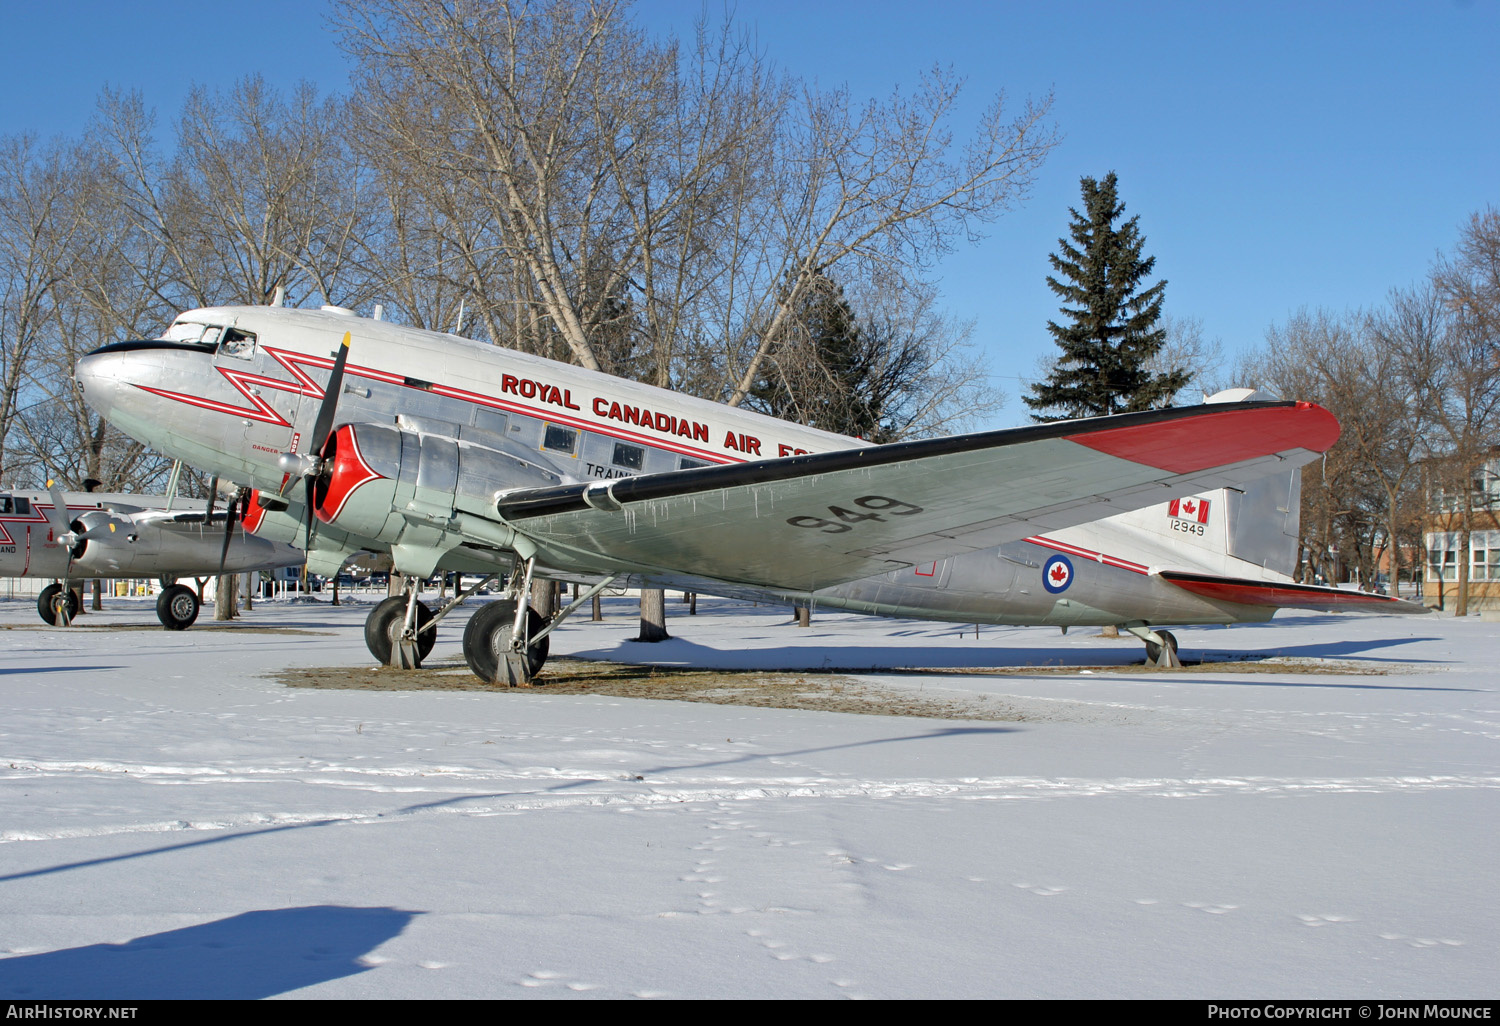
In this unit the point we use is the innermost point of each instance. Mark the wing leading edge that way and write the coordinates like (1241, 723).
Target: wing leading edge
(808, 522)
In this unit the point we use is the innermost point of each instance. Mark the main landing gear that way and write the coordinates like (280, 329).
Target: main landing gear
(177, 607)
(505, 641)
(1161, 646)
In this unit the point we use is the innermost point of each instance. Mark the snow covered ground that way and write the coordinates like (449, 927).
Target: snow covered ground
(173, 823)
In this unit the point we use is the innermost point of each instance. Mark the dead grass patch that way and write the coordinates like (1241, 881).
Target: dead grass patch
(824, 690)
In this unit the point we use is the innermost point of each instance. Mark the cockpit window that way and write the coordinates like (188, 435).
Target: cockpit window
(184, 331)
(202, 336)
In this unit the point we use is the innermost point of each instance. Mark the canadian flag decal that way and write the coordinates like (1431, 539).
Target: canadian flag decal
(1195, 510)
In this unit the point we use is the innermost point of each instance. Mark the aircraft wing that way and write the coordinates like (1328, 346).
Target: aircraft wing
(809, 522)
(1288, 596)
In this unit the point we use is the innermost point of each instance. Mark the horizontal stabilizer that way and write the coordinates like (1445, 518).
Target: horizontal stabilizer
(1290, 596)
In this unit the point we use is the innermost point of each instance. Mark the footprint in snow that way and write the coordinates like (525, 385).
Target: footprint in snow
(1213, 910)
(1041, 890)
(1324, 920)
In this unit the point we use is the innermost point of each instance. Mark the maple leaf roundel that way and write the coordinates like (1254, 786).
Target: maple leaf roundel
(1057, 574)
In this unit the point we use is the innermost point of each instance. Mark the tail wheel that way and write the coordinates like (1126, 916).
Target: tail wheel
(177, 607)
(383, 629)
(487, 640)
(1153, 650)
(52, 601)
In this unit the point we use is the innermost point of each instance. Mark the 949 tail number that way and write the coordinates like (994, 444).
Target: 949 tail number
(871, 507)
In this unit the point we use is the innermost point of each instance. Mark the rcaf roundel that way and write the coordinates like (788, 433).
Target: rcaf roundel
(1057, 574)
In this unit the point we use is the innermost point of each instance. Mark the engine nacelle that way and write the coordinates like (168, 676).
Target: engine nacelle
(379, 479)
(149, 546)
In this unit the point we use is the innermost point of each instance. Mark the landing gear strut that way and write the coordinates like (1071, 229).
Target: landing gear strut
(401, 630)
(505, 642)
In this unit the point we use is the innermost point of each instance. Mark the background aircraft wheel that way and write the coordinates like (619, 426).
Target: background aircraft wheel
(1153, 650)
(383, 629)
(487, 638)
(49, 604)
(177, 607)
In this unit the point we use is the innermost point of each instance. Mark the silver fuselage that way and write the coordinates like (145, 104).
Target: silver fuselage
(235, 409)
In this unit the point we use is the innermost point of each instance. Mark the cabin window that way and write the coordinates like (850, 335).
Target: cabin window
(5, 505)
(22, 507)
(687, 464)
(629, 456)
(560, 439)
(236, 343)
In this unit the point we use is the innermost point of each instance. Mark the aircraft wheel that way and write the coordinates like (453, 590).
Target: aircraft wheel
(49, 604)
(1153, 650)
(177, 607)
(383, 629)
(487, 639)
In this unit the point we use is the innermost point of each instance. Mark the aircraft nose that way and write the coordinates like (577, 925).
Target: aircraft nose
(97, 376)
(108, 378)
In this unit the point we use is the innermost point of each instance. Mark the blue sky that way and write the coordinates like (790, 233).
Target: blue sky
(1279, 155)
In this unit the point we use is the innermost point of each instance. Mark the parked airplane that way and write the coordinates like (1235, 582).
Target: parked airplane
(79, 536)
(450, 453)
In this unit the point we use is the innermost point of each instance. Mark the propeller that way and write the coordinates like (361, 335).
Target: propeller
(309, 465)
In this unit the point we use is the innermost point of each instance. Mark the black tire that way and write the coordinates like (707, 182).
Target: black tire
(487, 638)
(1153, 650)
(177, 607)
(49, 604)
(383, 629)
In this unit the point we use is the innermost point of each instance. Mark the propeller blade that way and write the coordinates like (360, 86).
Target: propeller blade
(234, 503)
(307, 501)
(62, 527)
(323, 426)
(57, 517)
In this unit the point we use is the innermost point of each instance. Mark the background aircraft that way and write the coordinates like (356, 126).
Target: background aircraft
(452, 454)
(79, 536)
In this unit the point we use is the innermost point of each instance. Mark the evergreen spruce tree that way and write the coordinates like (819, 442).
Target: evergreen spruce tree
(1114, 333)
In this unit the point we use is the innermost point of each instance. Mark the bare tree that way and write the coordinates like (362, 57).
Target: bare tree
(1347, 498)
(264, 196)
(875, 192)
(39, 216)
(1187, 348)
(1465, 388)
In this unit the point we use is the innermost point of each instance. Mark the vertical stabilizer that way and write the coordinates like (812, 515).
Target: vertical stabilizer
(1263, 519)
(1263, 522)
